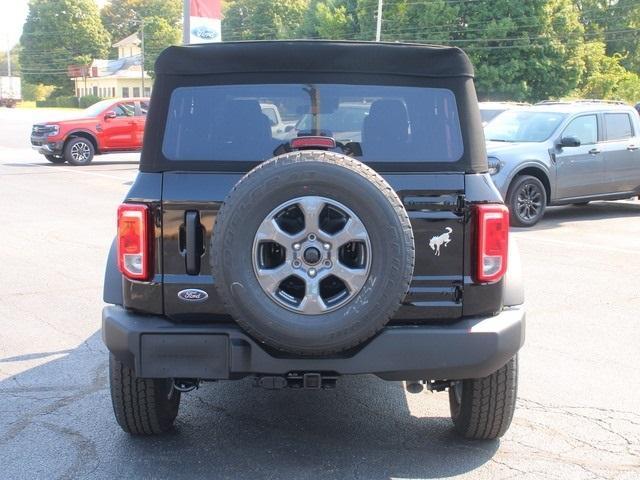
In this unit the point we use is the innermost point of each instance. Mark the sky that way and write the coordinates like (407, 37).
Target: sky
(14, 13)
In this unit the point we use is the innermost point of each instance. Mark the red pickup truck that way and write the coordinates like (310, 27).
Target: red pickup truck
(115, 125)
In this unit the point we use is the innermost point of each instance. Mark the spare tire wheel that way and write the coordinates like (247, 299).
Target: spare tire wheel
(312, 252)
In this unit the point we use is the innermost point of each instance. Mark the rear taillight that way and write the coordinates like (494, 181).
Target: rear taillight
(493, 242)
(133, 241)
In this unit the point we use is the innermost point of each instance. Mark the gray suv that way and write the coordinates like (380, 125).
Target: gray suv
(558, 153)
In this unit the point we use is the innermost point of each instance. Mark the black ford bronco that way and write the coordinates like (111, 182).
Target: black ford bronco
(367, 238)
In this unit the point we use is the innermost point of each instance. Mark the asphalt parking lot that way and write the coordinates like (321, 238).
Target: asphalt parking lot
(578, 413)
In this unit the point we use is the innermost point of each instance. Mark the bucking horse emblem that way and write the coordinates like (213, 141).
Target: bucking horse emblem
(440, 240)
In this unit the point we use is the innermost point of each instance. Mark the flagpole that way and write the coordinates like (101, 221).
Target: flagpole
(186, 27)
(379, 21)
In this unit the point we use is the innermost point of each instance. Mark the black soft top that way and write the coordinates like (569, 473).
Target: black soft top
(304, 61)
(315, 56)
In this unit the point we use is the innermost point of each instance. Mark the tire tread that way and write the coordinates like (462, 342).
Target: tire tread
(140, 404)
(488, 404)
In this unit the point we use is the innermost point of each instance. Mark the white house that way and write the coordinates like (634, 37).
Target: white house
(122, 77)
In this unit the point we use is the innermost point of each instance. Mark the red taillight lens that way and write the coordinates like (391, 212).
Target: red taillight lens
(133, 241)
(493, 242)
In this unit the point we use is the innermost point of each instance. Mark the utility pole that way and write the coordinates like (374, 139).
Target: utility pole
(8, 59)
(186, 27)
(379, 21)
(142, 55)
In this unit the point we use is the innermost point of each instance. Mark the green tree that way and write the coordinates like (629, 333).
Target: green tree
(522, 50)
(57, 33)
(332, 21)
(263, 19)
(434, 22)
(605, 77)
(617, 24)
(366, 12)
(158, 35)
(36, 92)
(122, 17)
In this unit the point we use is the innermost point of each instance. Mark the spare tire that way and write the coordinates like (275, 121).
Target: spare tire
(312, 252)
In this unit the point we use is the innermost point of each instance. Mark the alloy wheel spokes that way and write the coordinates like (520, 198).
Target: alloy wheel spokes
(529, 202)
(271, 278)
(311, 255)
(311, 208)
(353, 231)
(80, 151)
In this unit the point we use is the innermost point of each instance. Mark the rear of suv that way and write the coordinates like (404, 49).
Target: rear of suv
(331, 252)
(559, 153)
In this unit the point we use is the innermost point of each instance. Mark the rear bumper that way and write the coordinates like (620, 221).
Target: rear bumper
(157, 348)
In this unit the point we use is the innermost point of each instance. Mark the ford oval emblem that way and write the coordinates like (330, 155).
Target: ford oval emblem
(193, 295)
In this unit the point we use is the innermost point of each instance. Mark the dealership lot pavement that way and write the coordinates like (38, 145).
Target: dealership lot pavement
(577, 416)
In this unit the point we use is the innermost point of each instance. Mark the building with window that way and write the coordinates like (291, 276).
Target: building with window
(121, 77)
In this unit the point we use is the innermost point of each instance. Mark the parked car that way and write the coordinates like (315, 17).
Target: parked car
(279, 127)
(558, 153)
(108, 126)
(345, 123)
(490, 110)
(387, 256)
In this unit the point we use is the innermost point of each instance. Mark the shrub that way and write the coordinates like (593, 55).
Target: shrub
(60, 102)
(88, 100)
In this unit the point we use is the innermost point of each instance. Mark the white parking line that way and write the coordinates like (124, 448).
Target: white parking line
(594, 246)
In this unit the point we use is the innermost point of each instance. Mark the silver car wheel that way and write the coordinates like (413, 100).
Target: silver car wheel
(80, 152)
(311, 255)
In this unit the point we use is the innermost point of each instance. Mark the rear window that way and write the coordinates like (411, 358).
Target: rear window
(382, 123)
(618, 126)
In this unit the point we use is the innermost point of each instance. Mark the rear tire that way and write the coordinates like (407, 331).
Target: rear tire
(143, 406)
(79, 151)
(482, 408)
(527, 201)
(54, 159)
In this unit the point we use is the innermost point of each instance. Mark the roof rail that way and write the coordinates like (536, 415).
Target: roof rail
(507, 102)
(581, 100)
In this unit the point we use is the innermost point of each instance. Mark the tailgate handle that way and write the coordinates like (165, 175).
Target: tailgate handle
(193, 242)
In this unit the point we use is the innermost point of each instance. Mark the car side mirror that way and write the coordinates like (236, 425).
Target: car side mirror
(110, 114)
(569, 142)
(288, 128)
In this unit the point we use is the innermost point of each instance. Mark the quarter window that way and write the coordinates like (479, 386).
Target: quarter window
(618, 126)
(584, 128)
